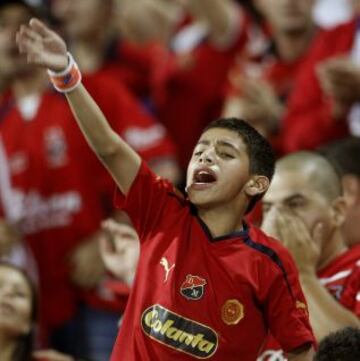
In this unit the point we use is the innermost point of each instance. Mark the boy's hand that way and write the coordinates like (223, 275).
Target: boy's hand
(42, 46)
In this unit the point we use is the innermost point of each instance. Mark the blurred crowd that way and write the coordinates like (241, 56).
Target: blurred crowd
(160, 71)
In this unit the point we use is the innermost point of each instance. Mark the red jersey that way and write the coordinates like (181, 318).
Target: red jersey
(195, 296)
(60, 191)
(308, 122)
(342, 279)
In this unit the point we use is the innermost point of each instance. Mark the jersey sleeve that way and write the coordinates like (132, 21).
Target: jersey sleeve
(150, 202)
(285, 304)
(350, 297)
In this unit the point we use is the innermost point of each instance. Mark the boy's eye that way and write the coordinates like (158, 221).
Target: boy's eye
(198, 153)
(226, 155)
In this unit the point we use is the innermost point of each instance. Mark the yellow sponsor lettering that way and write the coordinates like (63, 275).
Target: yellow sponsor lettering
(149, 316)
(186, 337)
(206, 346)
(157, 325)
(173, 333)
(164, 327)
(197, 339)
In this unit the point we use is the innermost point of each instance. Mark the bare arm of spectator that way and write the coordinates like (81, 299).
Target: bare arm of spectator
(222, 17)
(45, 48)
(340, 79)
(326, 314)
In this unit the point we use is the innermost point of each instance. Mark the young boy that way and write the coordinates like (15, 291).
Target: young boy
(207, 284)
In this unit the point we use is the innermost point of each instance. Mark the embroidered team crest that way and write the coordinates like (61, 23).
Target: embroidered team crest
(232, 312)
(193, 287)
(56, 147)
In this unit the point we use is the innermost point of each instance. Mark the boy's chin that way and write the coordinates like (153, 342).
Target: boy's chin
(200, 199)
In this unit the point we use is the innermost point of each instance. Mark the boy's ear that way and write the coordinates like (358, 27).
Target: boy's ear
(258, 184)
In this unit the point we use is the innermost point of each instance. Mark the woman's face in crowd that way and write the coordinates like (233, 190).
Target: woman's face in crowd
(15, 302)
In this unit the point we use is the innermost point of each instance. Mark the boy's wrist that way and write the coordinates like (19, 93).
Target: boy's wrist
(68, 79)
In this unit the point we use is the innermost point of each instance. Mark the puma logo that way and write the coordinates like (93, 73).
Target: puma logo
(165, 263)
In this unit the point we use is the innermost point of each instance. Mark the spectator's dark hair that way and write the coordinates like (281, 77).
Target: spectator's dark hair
(343, 345)
(344, 155)
(25, 343)
(260, 152)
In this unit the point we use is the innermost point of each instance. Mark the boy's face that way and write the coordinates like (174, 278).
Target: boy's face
(218, 169)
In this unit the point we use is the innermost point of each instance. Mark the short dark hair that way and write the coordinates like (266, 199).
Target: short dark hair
(260, 152)
(344, 155)
(343, 345)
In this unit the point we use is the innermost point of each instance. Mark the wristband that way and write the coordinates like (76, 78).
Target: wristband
(66, 80)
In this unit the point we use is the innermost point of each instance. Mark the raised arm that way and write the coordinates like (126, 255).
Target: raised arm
(222, 17)
(45, 48)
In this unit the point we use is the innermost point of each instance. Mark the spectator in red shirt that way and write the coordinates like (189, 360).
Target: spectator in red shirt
(261, 81)
(304, 208)
(324, 104)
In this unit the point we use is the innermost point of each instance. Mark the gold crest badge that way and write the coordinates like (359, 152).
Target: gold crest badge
(232, 312)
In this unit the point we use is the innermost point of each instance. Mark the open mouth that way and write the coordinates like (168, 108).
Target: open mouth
(204, 176)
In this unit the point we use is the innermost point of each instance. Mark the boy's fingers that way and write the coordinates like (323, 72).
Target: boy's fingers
(39, 27)
(31, 34)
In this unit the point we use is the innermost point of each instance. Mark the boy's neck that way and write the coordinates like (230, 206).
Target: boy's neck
(222, 220)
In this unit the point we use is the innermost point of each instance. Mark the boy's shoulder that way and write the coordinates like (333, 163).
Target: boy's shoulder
(270, 247)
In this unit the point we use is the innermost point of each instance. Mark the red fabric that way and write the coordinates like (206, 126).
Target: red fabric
(342, 279)
(61, 189)
(177, 251)
(308, 122)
